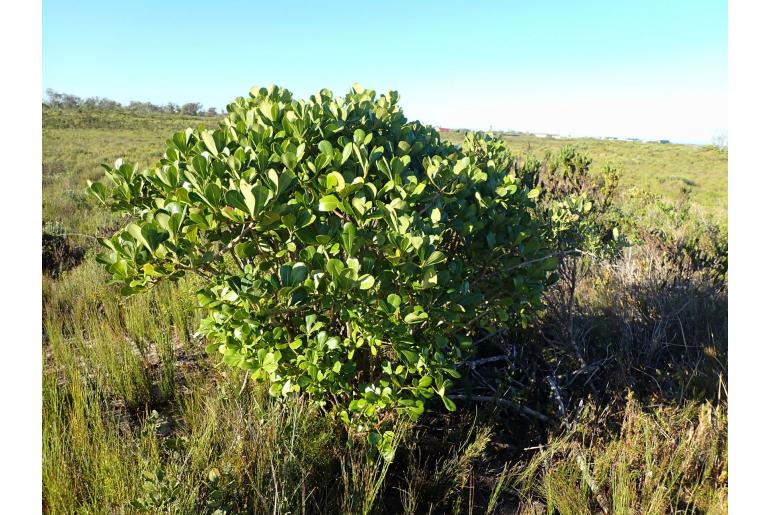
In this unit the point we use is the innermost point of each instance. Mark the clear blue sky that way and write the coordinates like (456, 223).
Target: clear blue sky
(651, 69)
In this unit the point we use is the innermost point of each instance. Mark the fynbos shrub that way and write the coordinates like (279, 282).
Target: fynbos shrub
(577, 202)
(349, 254)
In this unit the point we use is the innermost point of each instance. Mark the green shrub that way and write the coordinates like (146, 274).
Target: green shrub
(577, 202)
(349, 254)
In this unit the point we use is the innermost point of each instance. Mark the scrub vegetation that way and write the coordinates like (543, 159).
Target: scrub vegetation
(585, 374)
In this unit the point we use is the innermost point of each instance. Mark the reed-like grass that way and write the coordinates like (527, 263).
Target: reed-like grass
(662, 460)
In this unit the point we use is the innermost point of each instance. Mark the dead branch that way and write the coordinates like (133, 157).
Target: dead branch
(557, 394)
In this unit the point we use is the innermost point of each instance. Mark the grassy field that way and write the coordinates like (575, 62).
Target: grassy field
(137, 418)
(75, 144)
(669, 170)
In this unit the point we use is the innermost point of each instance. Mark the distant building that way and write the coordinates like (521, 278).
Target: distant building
(443, 129)
(664, 141)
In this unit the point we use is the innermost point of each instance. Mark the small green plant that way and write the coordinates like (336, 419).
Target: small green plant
(578, 206)
(159, 493)
(219, 488)
(348, 253)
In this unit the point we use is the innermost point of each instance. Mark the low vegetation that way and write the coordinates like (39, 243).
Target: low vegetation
(675, 172)
(612, 398)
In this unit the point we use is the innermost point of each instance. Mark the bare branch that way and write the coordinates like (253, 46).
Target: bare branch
(483, 361)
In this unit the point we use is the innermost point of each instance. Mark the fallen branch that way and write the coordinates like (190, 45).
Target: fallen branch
(503, 402)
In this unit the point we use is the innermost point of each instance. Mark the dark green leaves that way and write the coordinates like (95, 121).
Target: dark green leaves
(252, 198)
(293, 275)
(237, 200)
(148, 235)
(280, 182)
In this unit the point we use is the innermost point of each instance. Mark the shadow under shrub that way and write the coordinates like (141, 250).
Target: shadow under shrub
(58, 253)
(638, 323)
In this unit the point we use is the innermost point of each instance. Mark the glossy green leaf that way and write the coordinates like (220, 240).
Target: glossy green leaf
(328, 203)
(435, 258)
(326, 148)
(394, 300)
(449, 403)
(335, 181)
(366, 282)
(211, 145)
(349, 233)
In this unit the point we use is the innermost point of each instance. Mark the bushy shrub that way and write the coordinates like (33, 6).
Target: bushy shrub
(349, 254)
(577, 202)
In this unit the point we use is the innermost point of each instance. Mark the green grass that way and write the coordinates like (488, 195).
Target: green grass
(136, 417)
(663, 169)
(134, 412)
(75, 144)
